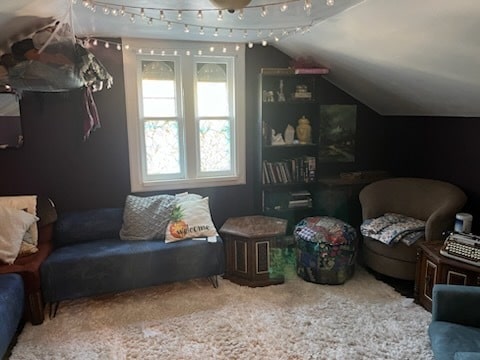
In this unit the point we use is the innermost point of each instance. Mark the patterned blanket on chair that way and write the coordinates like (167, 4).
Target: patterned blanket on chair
(392, 228)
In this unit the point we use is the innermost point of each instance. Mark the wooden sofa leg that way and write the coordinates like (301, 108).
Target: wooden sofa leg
(35, 308)
(214, 280)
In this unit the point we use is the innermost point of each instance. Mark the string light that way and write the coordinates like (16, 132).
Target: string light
(152, 51)
(163, 14)
(173, 16)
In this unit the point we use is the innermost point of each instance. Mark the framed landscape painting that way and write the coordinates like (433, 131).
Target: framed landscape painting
(337, 133)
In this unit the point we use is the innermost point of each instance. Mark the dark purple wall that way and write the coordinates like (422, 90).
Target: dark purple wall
(55, 161)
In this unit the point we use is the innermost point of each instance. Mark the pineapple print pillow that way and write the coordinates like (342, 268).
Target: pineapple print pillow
(190, 219)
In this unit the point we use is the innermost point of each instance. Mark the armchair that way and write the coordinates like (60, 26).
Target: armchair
(455, 328)
(433, 201)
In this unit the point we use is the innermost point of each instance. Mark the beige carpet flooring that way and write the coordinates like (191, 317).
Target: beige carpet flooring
(362, 319)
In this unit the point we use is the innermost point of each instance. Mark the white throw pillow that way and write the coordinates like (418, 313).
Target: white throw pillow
(189, 219)
(29, 204)
(14, 225)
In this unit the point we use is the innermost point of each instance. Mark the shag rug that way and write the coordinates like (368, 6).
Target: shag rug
(362, 319)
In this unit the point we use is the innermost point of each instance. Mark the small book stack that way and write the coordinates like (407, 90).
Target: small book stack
(300, 199)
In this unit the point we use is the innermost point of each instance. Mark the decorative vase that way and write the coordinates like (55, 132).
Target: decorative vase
(304, 131)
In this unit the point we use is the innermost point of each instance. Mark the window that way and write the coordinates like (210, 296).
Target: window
(185, 114)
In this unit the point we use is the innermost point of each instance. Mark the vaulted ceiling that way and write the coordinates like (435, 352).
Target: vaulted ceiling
(404, 57)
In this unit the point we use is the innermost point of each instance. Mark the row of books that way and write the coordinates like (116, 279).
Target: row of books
(296, 170)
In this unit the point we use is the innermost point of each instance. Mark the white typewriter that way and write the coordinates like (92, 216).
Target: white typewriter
(462, 247)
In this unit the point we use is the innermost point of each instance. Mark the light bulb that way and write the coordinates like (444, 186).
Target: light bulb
(284, 7)
(95, 42)
(107, 45)
(240, 14)
(237, 47)
(199, 52)
(119, 47)
(200, 15)
(142, 13)
(250, 45)
(127, 46)
(106, 10)
(202, 32)
(162, 15)
(179, 15)
(216, 32)
(220, 15)
(212, 49)
(122, 11)
(169, 25)
(186, 29)
(264, 43)
(263, 13)
(152, 52)
(330, 2)
(132, 18)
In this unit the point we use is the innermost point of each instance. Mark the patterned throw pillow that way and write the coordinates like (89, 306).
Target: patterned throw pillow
(146, 218)
(189, 219)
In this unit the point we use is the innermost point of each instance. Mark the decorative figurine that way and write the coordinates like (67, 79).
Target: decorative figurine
(289, 134)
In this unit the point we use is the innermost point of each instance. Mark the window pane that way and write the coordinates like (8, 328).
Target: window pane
(215, 154)
(212, 99)
(162, 147)
(159, 108)
(212, 89)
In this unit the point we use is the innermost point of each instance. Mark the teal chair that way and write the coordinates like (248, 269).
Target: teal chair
(455, 328)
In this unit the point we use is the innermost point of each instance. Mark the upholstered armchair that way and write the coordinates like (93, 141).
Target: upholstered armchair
(433, 201)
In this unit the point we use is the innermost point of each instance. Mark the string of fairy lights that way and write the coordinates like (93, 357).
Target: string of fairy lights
(191, 20)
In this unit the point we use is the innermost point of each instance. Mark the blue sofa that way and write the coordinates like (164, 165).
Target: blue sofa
(89, 258)
(12, 302)
(455, 328)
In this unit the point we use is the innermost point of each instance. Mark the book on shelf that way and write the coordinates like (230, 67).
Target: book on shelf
(305, 203)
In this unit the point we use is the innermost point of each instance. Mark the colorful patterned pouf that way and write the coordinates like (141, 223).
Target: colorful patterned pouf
(325, 250)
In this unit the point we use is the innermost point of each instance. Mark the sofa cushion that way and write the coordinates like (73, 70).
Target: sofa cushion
(449, 338)
(190, 219)
(114, 265)
(27, 203)
(146, 218)
(15, 224)
(11, 308)
(89, 225)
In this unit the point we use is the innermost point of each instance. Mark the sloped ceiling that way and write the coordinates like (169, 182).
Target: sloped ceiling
(402, 57)
(405, 57)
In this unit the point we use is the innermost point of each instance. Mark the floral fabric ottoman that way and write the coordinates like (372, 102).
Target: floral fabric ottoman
(325, 250)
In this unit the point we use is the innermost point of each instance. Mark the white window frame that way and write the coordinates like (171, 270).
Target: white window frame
(152, 50)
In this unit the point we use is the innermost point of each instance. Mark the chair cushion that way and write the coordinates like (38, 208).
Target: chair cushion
(11, 308)
(449, 338)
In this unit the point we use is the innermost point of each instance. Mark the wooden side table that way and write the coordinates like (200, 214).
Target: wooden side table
(247, 248)
(434, 268)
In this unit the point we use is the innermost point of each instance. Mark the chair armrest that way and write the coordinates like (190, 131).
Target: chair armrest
(457, 304)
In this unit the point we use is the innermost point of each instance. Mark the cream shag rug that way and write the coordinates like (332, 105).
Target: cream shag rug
(362, 319)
